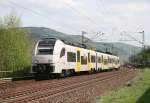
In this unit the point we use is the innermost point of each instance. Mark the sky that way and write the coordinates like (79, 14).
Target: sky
(117, 19)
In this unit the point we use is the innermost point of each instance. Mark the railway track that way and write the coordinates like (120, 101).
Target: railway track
(47, 84)
(55, 88)
(79, 86)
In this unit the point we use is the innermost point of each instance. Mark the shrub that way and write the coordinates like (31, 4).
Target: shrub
(14, 46)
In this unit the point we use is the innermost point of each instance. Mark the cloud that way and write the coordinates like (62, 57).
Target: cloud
(73, 16)
(130, 7)
(68, 1)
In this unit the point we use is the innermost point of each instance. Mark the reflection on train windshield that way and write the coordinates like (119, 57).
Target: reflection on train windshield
(45, 51)
(47, 43)
(46, 47)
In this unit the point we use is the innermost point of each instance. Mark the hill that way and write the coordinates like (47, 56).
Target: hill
(123, 50)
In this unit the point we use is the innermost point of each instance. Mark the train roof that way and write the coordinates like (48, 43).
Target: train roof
(68, 42)
(78, 45)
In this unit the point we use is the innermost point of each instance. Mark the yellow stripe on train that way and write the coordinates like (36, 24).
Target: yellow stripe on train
(78, 63)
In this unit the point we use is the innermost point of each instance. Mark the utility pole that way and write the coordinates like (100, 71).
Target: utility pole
(143, 39)
(134, 39)
(141, 42)
(112, 48)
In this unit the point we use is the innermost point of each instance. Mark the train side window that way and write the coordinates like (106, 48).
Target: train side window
(108, 60)
(102, 59)
(83, 60)
(118, 61)
(78, 56)
(62, 53)
(71, 57)
(105, 61)
(93, 59)
(114, 60)
(99, 59)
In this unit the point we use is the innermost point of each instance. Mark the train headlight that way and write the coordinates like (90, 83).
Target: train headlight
(49, 61)
(35, 61)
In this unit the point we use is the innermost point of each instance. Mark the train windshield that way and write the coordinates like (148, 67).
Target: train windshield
(45, 51)
(46, 47)
(47, 43)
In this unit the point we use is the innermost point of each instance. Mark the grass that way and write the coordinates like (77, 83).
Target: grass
(138, 92)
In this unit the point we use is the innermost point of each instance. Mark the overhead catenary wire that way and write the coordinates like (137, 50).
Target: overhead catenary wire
(28, 9)
(97, 35)
(33, 11)
(82, 14)
(47, 17)
(112, 46)
(87, 17)
(79, 13)
(133, 38)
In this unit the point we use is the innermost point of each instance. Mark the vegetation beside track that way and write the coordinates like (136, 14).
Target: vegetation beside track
(14, 48)
(141, 59)
(136, 92)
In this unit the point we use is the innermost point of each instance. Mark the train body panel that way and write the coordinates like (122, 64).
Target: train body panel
(54, 56)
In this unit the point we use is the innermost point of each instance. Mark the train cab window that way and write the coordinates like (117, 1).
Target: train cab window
(93, 59)
(46, 47)
(62, 53)
(71, 57)
(83, 60)
(45, 51)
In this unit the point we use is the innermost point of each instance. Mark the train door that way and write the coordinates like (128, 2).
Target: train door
(89, 62)
(78, 63)
(96, 61)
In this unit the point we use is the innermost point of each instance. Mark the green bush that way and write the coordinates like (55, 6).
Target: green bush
(14, 46)
(142, 58)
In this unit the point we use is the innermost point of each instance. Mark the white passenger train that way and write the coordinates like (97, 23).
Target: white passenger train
(53, 56)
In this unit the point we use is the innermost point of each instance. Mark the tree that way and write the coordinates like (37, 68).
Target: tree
(141, 59)
(14, 46)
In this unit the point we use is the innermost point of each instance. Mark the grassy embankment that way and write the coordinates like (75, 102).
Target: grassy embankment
(138, 92)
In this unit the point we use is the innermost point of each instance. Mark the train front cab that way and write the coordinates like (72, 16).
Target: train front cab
(42, 59)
